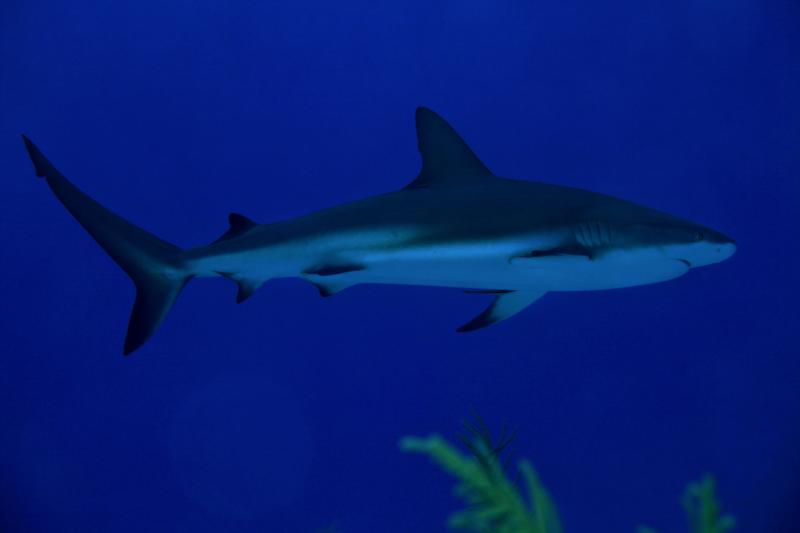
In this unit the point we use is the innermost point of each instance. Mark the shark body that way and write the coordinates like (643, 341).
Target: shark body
(455, 225)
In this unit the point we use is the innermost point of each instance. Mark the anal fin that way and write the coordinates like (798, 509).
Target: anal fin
(247, 286)
(329, 288)
(504, 305)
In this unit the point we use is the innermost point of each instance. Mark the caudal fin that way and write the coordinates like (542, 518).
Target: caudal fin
(153, 264)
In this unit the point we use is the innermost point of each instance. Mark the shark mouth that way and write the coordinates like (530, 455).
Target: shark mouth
(685, 262)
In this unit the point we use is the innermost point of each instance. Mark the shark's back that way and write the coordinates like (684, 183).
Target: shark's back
(484, 208)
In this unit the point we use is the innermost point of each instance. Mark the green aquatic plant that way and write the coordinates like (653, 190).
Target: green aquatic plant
(703, 510)
(495, 504)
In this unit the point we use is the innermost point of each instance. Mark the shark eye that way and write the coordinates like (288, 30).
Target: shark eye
(699, 236)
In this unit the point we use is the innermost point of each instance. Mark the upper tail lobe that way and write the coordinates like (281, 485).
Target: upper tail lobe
(153, 264)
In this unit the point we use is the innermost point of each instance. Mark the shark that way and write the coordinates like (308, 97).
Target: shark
(457, 224)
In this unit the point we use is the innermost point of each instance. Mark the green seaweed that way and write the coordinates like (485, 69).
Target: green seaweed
(703, 510)
(496, 504)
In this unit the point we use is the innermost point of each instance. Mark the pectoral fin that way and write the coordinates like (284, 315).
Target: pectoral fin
(504, 305)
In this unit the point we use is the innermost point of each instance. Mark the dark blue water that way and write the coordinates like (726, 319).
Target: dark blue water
(283, 414)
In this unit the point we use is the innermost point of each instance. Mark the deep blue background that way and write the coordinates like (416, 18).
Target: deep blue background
(283, 414)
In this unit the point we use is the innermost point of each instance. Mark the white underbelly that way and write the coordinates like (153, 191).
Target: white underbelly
(491, 265)
(550, 273)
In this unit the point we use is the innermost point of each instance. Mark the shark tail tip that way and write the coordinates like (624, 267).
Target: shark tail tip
(41, 165)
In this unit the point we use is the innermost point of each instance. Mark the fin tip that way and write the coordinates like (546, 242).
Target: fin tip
(130, 346)
(242, 297)
(471, 326)
(40, 164)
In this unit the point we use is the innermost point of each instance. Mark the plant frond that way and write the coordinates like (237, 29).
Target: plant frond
(703, 509)
(494, 503)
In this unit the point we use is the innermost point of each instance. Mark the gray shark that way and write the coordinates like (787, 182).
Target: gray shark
(455, 225)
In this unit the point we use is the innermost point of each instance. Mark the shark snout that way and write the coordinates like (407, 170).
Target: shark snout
(725, 250)
(722, 245)
(712, 248)
(711, 253)
(719, 246)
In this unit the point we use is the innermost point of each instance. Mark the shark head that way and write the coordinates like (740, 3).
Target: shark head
(698, 246)
(644, 234)
(626, 252)
(689, 243)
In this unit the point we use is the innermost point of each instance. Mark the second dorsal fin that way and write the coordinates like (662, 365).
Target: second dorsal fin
(239, 225)
(446, 159)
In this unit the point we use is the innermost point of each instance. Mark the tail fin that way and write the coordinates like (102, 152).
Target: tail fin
(153, 264)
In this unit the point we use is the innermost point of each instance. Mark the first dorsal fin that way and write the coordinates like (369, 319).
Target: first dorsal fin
(446, 159)
(239, 225)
